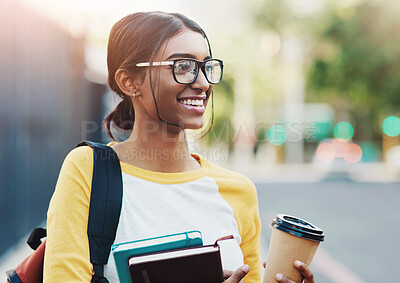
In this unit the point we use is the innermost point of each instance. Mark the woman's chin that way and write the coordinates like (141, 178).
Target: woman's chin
(194, 125)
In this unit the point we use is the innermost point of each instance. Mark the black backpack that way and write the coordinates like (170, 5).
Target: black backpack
(104, 212)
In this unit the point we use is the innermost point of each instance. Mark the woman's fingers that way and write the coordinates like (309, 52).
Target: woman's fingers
(227, 274)
(237, 276)
(305, 270)
(282, 278)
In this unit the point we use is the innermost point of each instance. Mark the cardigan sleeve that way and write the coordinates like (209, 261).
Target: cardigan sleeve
(67, 256)
(250, 232)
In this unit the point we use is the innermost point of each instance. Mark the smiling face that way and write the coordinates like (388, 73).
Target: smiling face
(177, 103)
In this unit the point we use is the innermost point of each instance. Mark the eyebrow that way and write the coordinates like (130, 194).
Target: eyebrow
(185, 55)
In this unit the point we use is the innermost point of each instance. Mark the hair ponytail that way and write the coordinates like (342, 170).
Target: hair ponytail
(123, 116)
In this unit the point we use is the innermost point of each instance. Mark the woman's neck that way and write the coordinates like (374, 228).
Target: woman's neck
(159, 148)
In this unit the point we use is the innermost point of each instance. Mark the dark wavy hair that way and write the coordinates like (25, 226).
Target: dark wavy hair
(137, 38)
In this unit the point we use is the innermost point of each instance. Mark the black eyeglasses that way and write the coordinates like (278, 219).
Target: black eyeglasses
(186, 70)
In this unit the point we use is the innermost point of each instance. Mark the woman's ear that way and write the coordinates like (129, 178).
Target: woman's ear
(126, 82)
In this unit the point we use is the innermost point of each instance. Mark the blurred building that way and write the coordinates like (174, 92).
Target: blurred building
(44, 100)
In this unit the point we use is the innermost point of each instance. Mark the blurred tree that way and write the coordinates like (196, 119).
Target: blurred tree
(222, 130)
(356, 61)
(272, 14)
(293, 16)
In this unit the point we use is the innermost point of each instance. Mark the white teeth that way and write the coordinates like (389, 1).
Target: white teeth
(193, 102)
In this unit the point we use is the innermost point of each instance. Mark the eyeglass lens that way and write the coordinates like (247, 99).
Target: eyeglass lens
(186, 71)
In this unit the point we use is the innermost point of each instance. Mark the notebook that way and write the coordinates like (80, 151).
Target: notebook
(194, 265)
(123, 251)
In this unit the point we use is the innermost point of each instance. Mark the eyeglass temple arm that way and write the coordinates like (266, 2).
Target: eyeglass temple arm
(147, 64)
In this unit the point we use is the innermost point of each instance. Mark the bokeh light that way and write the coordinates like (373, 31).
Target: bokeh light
(391, 126)
(339, 146)
(277, 135)
(344, 131)
(352, 153)
(323, 130)
(370, 152)
(326, 152)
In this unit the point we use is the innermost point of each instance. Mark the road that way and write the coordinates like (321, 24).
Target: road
(361, 222)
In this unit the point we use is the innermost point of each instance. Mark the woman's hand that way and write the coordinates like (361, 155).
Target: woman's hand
(237, 276)
(300, 266)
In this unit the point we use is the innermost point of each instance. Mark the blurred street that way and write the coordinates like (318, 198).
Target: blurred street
(360, 221)
(308, 109)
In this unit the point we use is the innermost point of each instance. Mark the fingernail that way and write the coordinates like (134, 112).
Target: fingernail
(278, 276)
(298, 263)
(246, 268)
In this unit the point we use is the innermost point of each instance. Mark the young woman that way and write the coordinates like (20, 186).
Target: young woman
(161, 65)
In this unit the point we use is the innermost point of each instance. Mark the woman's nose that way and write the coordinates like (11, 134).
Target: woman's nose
(201, 82)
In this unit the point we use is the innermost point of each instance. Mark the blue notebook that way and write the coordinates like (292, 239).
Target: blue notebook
(123, 251)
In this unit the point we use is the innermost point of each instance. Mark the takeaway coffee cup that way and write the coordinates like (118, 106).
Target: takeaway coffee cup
(292, 239)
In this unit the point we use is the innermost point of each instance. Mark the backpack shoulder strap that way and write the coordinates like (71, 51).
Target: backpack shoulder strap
(105, 206)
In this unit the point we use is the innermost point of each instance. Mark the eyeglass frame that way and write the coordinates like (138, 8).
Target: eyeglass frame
(199, 66)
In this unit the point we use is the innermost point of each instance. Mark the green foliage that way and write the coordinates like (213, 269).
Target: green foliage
(222, 129)
(363, 69)
(282, 16)
(354, 61)
(272, 14)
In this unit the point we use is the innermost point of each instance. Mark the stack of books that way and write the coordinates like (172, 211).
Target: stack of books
(177, 258)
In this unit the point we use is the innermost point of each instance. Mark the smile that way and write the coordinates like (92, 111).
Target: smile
(192, 102)
(196, 105)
